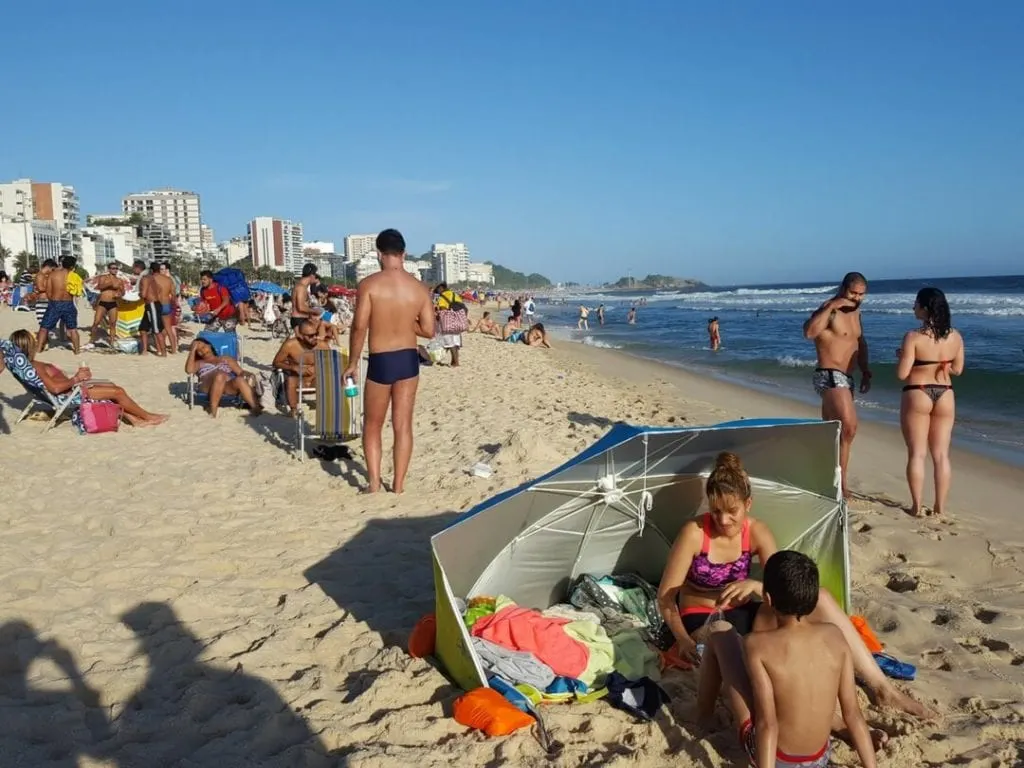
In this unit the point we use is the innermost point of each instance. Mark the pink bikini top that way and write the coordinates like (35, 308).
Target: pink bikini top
(707, 575)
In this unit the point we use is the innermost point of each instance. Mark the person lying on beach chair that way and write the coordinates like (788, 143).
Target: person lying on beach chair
(80, 386)
(782, 684)
(293, 358)
(219, 375)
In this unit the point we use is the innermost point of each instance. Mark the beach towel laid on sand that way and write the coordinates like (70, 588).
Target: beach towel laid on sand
(523, 629)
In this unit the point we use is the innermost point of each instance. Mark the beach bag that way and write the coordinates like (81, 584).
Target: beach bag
(234, 281)
(75, 285)
(452, 321)
(487, 710)
(99, 416)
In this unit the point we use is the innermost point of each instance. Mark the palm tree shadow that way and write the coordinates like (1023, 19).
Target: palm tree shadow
(189, 712)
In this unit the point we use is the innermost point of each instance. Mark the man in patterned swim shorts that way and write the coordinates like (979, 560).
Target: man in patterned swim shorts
(836, 331)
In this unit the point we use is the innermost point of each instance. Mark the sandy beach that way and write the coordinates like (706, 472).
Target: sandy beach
(194, 595)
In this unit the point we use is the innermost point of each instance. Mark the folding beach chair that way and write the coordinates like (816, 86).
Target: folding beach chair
(338, 418)
(225, 345)
(58, 405)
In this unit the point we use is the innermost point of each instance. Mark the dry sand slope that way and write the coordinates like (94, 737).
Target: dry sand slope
(192, 595)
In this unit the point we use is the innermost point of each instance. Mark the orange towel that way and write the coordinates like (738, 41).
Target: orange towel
(866, 634)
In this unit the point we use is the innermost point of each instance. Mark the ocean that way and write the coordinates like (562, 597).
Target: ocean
(763, 345)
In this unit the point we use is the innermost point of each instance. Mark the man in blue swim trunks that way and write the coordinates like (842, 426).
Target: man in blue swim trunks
(395, 308)
(61, 308)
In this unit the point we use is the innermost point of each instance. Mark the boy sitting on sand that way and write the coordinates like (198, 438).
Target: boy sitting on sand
(782, 684)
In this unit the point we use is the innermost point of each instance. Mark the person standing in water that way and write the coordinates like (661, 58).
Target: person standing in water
(835, 328)
(631, 317)
(714, 337)
(583, 324)
(393, 308)
(600, 315)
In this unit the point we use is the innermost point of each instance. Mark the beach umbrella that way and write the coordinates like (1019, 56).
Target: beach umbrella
(618, 506)
(265, 286)
(340, 290)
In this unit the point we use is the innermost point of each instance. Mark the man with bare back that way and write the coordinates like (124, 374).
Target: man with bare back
(396, 308)
(111, 289)
(151, 316)
(164, 291)
(61, 308)
(301, 308)
(835, 329)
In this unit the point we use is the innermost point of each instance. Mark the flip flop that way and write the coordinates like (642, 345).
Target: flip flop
(894, 668)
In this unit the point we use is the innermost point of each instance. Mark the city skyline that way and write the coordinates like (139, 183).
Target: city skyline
(762, 145)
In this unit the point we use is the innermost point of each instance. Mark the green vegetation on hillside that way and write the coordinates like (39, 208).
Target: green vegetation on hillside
(510, 279)
(658, 283)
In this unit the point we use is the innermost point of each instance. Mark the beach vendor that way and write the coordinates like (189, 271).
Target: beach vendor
(215, 301)
(708, 573)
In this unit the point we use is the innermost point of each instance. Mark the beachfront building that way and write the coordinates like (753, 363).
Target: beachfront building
(358, 246)
(42, 239)
(173, 210)
(451, 262)
(234, 250)
(325, 247)
(275, 243)
(366, 266)
(30, 200)
(479, 273)
(122, 243)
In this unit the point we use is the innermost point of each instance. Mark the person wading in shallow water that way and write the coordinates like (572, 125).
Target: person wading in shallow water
(395, 308)
(835, 329)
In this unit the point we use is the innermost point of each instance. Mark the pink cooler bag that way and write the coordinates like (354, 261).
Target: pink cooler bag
(99, 416)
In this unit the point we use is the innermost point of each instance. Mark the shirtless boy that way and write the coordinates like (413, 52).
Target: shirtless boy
(782, 684)
(295, 356)
(111, 289)
(395, 308)
(61, 308)
(836, 331)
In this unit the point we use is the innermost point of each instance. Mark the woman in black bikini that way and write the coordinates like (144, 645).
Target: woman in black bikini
(929, 357)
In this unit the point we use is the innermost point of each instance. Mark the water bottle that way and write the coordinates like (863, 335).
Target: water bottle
(351, 388)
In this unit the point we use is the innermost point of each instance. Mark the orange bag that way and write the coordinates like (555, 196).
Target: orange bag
(866, 634)
(423, 637)
(490, 712)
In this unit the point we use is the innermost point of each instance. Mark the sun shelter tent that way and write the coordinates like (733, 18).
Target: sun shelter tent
(617, 507)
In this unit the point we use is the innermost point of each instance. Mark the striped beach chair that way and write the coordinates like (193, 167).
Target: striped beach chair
(338, 418)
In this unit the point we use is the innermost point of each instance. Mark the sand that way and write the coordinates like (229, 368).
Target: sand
(194, 595)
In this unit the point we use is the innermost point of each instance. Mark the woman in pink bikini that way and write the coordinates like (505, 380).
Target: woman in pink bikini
(708, 572)
(219, 375)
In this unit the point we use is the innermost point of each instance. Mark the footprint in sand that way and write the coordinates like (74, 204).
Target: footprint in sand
(986, 615)
(900, 582)
(942, 617)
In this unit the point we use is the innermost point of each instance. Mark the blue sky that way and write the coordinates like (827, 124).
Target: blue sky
(734, 142)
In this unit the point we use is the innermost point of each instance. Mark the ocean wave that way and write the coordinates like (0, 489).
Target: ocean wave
(592, 342)
(789, 361)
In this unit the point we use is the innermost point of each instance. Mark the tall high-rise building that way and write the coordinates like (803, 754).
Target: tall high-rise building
(358, 246)
(175, 210)
(29, 200)
(451, 262)
(275, 243)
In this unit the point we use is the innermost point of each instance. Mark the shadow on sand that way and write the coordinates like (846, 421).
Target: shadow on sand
(186, 712)
(383, 575)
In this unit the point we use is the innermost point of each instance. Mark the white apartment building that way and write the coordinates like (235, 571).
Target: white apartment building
(451, 262)
(478, 272)
(115, 243)
(45, 201)
(358, 246)
(325, 247)
(235, 249)
(174, 209)
(366, 266)
(209, 242)
(275, 243)
(40, 238)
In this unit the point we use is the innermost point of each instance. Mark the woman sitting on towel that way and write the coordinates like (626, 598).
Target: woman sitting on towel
(708, 571)
(219, 375)
(59, 383)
